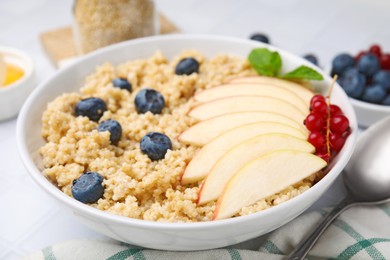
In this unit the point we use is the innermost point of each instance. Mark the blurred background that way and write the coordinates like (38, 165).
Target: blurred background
(30, 220)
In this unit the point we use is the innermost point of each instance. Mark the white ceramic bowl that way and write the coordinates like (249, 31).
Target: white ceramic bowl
(169, 236)
(368, 113)
(13, 95)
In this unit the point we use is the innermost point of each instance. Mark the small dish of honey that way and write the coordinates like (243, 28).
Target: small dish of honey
(9, 73)
(17, 80)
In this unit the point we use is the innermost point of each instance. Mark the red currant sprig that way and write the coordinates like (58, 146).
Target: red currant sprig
(328, 126)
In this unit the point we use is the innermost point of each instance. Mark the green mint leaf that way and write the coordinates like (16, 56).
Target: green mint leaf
(265, 62)
(303, 72)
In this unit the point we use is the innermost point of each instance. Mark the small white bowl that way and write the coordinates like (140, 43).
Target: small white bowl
(13, 95)
(158, 235)
(368, 113)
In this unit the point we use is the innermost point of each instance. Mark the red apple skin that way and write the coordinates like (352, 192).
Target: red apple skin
(200, 192)
(215, 215)
(182, 174)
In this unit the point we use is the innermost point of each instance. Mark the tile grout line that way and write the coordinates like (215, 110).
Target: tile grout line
(17, 246)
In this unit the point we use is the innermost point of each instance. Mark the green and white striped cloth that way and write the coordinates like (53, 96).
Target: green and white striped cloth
(359, 233)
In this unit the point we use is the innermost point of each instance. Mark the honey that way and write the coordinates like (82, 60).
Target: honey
(12, 74)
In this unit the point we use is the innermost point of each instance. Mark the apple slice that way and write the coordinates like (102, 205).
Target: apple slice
(305, 93)
(205, 131)
(204, 160)
(246, 103)
(247, 89)
(265, 176)
(241, 155)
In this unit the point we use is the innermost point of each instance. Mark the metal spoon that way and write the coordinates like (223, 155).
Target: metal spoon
(366, 177)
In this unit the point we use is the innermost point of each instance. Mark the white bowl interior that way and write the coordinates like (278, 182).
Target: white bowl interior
(193, 236)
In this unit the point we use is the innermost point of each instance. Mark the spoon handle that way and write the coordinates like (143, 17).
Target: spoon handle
(303, 247)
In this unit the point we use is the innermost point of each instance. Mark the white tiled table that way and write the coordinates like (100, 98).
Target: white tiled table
(31, 220)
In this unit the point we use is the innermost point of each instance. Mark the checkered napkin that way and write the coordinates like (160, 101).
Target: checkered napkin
(359, 233)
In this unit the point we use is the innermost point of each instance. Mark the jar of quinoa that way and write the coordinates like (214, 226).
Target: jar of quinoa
(98, 23)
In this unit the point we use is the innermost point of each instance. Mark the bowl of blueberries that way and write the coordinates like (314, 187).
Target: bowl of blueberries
(365, 78)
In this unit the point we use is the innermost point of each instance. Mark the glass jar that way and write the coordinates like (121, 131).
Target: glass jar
(98, 23)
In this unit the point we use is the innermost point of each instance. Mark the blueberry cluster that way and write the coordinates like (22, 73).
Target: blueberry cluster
(365, 77)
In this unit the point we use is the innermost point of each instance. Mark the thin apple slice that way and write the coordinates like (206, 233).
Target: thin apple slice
(265, 176)
(305, 93)
(246, 103)
(242, 154)
(205, 131)
(204, 160)
(247, 89)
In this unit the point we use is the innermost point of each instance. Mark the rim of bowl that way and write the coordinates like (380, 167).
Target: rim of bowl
(28, 70)
(369, 106)
(361, 103)
(44, 183)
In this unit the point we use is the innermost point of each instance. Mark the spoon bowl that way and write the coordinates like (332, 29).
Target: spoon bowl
(366, 177)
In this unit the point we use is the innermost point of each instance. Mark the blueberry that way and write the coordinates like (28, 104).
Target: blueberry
(88, 188)
(113, 127)
(148, 99)
(374, 94)
(122, 83)
(386, 101)
(342, 62)
(259, 37)
(93, 108)
(312, 58)
(382, 78)
(368, 64)
(187, 66)
(353, 82)
(155, 145)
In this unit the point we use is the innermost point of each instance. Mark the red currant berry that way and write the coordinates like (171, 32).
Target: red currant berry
(317, 139)
(323, 154)
(359, 55)
(346, 133)
(315, 122)
(376, 50)
(317, 97)
(320, 107)
(335, 110)
(339, 124)
(336, 141)
(323, 149)
(385, 61)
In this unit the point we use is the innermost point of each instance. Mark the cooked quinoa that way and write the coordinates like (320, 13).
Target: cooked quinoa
(135, 186)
